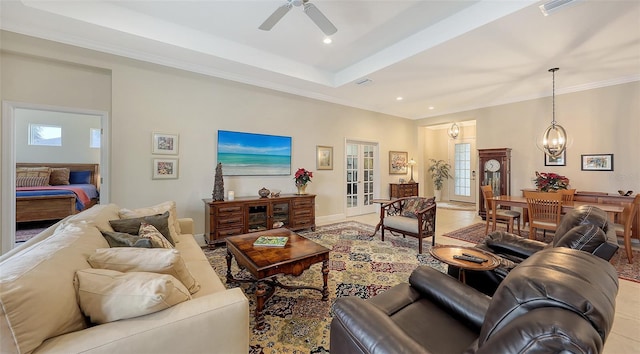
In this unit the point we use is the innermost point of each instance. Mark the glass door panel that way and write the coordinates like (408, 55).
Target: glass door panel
(361, 162)
(257, 217)
(463, 188)
(280, 215)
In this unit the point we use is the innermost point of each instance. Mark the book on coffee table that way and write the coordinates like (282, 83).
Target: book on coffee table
(271, 241)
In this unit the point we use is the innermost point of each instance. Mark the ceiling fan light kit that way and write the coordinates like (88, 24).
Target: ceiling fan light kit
(310, 9)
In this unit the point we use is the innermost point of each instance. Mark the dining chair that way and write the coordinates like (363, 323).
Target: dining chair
(544, 211)
(567, 194)
(503, 215)
(624, 230)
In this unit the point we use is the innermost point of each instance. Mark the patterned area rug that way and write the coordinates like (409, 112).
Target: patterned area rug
(475, 233)
(359, 265)
(26, 230)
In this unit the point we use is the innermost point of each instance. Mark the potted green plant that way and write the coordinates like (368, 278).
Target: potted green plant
(440, 170)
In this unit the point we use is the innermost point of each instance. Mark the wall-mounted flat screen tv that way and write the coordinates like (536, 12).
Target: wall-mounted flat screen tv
(248, 154)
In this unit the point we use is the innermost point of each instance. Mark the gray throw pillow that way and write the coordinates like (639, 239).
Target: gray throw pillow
(132, 226)
(121, 239)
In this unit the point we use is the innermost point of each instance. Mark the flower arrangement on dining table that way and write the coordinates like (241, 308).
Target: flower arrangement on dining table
(550, 181)
(302, 177)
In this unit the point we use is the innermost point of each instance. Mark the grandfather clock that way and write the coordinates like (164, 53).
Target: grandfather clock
(495, 167)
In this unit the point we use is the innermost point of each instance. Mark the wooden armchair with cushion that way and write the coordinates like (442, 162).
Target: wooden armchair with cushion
(410, 216)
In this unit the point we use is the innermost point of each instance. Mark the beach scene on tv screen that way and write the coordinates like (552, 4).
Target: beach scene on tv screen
(248, 154)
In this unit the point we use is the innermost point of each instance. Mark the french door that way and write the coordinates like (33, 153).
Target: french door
(361, 177)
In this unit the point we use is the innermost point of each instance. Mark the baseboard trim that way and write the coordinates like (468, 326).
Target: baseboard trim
(329, 219)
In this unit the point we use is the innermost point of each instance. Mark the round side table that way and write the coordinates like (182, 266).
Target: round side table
(445, 254)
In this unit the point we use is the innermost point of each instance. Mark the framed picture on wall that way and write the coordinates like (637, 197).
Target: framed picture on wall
(324, 157)
(164, 144)
(165, 169)
(597, 162)
(252, 154)
(556, 161)
(398, 162)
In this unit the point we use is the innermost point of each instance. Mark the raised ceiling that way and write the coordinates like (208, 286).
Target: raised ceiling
(449, 56)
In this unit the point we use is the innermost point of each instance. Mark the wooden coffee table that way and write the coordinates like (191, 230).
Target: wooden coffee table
(264, 263)
(445, 254)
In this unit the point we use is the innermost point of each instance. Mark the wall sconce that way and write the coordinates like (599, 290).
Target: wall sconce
(453, 131)
(412, 163)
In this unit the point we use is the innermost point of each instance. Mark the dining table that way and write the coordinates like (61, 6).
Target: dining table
(613, 210)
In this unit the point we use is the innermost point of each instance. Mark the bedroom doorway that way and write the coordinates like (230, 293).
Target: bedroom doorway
(12, 123)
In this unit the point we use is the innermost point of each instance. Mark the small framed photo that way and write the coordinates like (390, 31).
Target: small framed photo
(597, 162)
(398, 162)
(556, 161)
(165, 169)
(164, 144)
(324, 157)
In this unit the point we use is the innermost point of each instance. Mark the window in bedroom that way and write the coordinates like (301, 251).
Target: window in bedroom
(45, 135)
(94, 138)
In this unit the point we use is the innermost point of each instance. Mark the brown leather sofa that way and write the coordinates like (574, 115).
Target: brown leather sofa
(557, 300)
(585, 228)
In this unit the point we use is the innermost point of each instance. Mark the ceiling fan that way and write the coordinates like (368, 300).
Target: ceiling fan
(310, 9)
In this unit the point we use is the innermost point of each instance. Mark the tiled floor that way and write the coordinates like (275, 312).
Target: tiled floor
(625, 335)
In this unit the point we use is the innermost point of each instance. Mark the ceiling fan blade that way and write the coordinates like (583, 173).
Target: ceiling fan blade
(276, 16)
(319, 19)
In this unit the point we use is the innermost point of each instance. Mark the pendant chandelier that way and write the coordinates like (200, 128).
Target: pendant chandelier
(453, 131)
(554, 139)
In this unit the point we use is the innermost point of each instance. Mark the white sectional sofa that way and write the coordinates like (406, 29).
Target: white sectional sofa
(40, 313)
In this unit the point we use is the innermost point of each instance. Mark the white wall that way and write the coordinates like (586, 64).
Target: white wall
(598, 121)
(146, 98)
(75, 137)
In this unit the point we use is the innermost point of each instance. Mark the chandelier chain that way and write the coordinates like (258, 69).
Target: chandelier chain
(553, 97)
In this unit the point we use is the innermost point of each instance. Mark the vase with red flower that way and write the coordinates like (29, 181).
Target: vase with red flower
(301, 178)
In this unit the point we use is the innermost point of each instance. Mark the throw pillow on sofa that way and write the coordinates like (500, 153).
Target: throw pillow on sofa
(121, 239)
(155, 260)
(99, 215)
(108, 295)
(132, 226)
(36, 287)
(157, 240)
(170, 206)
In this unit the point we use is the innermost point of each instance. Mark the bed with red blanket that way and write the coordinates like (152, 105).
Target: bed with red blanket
(53, 202)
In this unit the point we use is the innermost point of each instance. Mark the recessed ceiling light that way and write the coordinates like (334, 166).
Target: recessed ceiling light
(432, 107)
(327, 40)
(399, 98)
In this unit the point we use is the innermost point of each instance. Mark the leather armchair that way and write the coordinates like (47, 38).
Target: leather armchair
(563, 300)
(585, 228)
